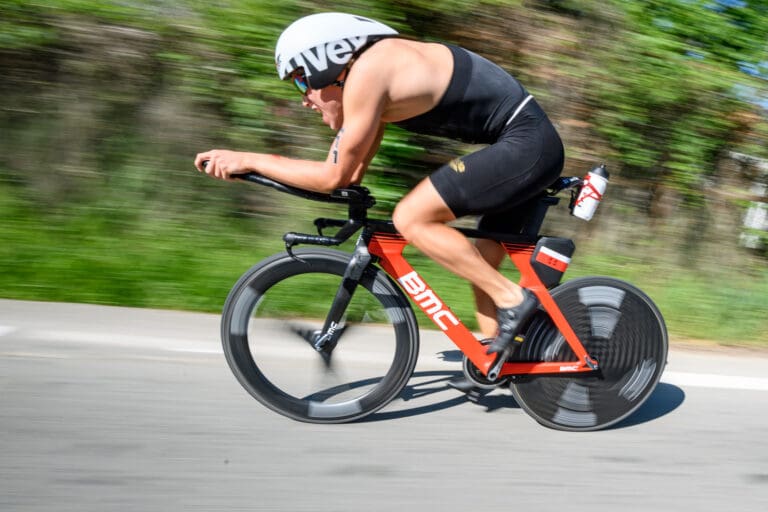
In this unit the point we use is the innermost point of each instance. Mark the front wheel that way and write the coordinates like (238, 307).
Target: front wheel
(265, 326)
(621, 328)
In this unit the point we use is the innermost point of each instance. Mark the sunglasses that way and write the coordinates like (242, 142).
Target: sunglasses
(299, 79)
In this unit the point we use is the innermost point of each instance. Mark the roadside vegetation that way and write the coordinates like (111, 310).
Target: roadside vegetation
(104, 104)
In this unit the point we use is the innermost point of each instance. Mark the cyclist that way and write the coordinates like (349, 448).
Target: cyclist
(359, 75)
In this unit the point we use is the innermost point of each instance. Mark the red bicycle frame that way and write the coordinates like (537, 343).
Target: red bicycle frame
(389, 248)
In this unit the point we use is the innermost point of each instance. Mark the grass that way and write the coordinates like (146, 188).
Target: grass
(169, 261)
(189, 261)
(728, 306)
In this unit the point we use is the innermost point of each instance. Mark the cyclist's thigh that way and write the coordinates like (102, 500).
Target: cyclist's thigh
(422, 204)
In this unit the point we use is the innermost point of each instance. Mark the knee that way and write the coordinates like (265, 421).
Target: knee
(418, 210)
(403, 219)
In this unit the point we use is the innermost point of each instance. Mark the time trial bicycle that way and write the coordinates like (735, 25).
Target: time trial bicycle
(325, 336)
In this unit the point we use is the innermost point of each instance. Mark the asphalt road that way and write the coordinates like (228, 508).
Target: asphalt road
(122, 409)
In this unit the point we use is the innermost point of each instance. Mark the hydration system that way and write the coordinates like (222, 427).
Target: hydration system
(591, 193)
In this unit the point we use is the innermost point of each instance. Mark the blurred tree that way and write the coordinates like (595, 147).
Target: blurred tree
(110, 100)
(667, 95)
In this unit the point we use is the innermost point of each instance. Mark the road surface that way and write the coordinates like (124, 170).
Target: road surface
(125, 409)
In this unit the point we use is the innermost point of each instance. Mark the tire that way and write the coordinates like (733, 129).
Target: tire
(282, 296)
(621, 328)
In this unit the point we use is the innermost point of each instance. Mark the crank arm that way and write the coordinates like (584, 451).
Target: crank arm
(495, 369)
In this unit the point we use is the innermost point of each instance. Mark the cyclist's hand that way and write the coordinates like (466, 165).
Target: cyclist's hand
(222, 164)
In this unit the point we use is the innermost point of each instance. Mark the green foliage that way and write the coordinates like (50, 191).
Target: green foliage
(104, 104)
(667, 92)
(726, 307)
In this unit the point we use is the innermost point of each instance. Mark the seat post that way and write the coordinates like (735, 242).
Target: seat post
(535, 217)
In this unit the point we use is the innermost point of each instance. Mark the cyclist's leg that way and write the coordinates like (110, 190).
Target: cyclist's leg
(485, 308)
(508, 221)
(522, 163)
(421, 217)
(493, 253)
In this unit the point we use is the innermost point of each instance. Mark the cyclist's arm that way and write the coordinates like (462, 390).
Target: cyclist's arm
(360, 137)
(351, 151)
(356, 179)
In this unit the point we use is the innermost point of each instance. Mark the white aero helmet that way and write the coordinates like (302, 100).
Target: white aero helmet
(323, 44)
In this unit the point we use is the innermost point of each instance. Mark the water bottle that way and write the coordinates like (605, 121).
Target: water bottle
(592, 189)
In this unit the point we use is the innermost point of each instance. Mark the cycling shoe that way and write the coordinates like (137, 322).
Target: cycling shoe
(510, 320)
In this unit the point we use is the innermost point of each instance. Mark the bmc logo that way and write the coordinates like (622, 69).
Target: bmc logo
(427, 300)
(338, 52)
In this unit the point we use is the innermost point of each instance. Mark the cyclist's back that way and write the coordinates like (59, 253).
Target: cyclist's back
(482, 103)
(479, 100)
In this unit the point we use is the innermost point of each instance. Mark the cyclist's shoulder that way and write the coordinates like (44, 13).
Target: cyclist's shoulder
(408, 77)
(397, 49)
(392, 58)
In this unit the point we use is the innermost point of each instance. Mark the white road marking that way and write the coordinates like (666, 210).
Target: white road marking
(713, 380)
(198, 346)
(6, 329)
(682, 379)
(128, 340)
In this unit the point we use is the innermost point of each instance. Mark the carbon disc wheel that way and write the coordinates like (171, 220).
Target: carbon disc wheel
(621, 328)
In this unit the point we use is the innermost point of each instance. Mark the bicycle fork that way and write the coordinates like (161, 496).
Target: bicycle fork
(326, 339)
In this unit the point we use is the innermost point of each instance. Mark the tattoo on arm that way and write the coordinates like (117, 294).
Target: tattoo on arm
(336, 143)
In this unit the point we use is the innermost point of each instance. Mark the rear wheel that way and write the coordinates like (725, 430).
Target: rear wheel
(269, 321)
(621, 328)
